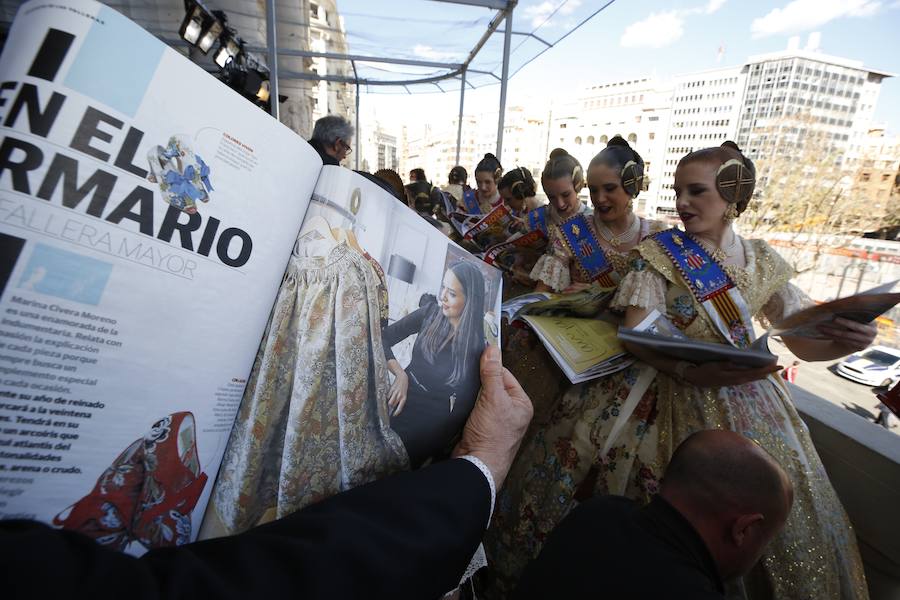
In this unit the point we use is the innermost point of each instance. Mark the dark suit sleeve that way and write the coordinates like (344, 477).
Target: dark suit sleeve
(408, 536)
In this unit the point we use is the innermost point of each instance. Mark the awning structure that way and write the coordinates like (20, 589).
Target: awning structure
(396, 46)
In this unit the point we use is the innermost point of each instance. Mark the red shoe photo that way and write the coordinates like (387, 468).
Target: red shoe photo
(148, 493)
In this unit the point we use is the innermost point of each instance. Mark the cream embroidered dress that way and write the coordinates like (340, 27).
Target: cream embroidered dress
(560, 462)
(314, 417)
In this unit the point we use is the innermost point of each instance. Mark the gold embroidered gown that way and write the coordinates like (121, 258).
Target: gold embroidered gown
(314, 417)
(560, 462)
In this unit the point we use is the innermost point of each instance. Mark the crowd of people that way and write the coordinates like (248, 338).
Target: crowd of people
(616, 435)
(667, 479)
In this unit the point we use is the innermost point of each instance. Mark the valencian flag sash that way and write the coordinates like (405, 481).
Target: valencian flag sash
(582, 242)
(471, 202)
(710, 285)
(537, 219)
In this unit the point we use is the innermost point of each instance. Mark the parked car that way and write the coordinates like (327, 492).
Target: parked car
(876, 366)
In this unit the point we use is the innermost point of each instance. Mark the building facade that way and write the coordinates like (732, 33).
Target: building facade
(705, 109)
(638, 110)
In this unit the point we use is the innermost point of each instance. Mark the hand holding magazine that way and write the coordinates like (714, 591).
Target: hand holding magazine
(183, 281)
(863, 308)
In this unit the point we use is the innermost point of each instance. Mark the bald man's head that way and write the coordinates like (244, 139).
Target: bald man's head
(732, 491)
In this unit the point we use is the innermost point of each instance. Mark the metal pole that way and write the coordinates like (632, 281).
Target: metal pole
(272, 42)
(462, 101)
(357, 126)
(507, 38)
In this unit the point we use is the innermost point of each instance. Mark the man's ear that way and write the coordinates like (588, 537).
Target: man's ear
(745, 527)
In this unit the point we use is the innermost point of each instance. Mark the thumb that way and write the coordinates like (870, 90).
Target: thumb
(491, 370)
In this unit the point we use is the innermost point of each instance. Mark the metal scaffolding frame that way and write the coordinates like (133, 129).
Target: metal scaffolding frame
(458, 71)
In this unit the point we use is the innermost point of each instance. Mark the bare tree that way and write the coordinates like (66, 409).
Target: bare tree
(809, 192)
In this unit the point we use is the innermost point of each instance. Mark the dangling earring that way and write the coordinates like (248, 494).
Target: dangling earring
(631, 204)
(731, 213)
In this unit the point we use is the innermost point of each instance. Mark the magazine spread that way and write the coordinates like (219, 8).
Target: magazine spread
(147, 214)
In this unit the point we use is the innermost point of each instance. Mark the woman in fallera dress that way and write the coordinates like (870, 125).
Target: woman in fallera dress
(487, 174)
(614, 179)
(616, 435)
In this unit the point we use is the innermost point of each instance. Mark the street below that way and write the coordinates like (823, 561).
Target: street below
(820, 379)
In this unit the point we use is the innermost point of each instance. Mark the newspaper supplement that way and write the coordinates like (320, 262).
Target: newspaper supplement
(147, 213)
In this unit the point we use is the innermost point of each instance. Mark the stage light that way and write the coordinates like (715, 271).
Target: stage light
(209, 38)
(192, 26)
(228, 51)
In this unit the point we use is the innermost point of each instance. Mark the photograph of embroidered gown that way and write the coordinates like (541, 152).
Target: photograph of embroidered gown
(314, 417)
(593, 443)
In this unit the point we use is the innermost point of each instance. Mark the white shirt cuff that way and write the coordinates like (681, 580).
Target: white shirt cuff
(487, 475)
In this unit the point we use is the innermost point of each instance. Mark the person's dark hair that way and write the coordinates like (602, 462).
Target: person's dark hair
(736, 175)
(458, 174)
(419, 174)
(468, 342)
(719, 477)
(624, 160)
(331, 128)
(520, 183)
(491, 165)
(562, 164)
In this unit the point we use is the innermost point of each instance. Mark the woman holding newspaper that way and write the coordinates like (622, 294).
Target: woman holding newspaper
(431, 399)
(616, 435)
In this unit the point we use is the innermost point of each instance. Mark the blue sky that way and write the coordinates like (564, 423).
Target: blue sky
(631, 38)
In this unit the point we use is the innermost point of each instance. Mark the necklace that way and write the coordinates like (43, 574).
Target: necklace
(719, 253)
(615, 240)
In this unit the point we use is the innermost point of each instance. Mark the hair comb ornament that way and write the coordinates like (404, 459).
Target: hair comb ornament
(734, 181)
(632, 177)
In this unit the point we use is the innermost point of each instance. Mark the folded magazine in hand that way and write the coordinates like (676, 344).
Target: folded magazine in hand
(864, 307)
(698, 352)
(184, 285)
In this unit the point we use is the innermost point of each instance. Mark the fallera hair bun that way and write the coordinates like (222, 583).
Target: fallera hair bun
(618, 140)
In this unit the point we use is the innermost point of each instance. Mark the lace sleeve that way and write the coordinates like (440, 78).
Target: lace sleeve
(783, 303)
(641, 287)
(553, 267)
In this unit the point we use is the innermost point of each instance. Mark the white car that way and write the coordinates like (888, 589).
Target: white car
(876, 366)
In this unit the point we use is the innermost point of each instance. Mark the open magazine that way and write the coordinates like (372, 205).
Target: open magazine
(864, 307)
(667, 340)
(572, 327)
(147, 216)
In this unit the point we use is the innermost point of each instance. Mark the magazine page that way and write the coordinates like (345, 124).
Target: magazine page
(442, 305)
(145, 227)
(864, 307)
(583, 348)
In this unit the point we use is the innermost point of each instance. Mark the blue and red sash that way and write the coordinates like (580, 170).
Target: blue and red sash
(710, 285)
(583, 244)
(471, 202)
(537, 219)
